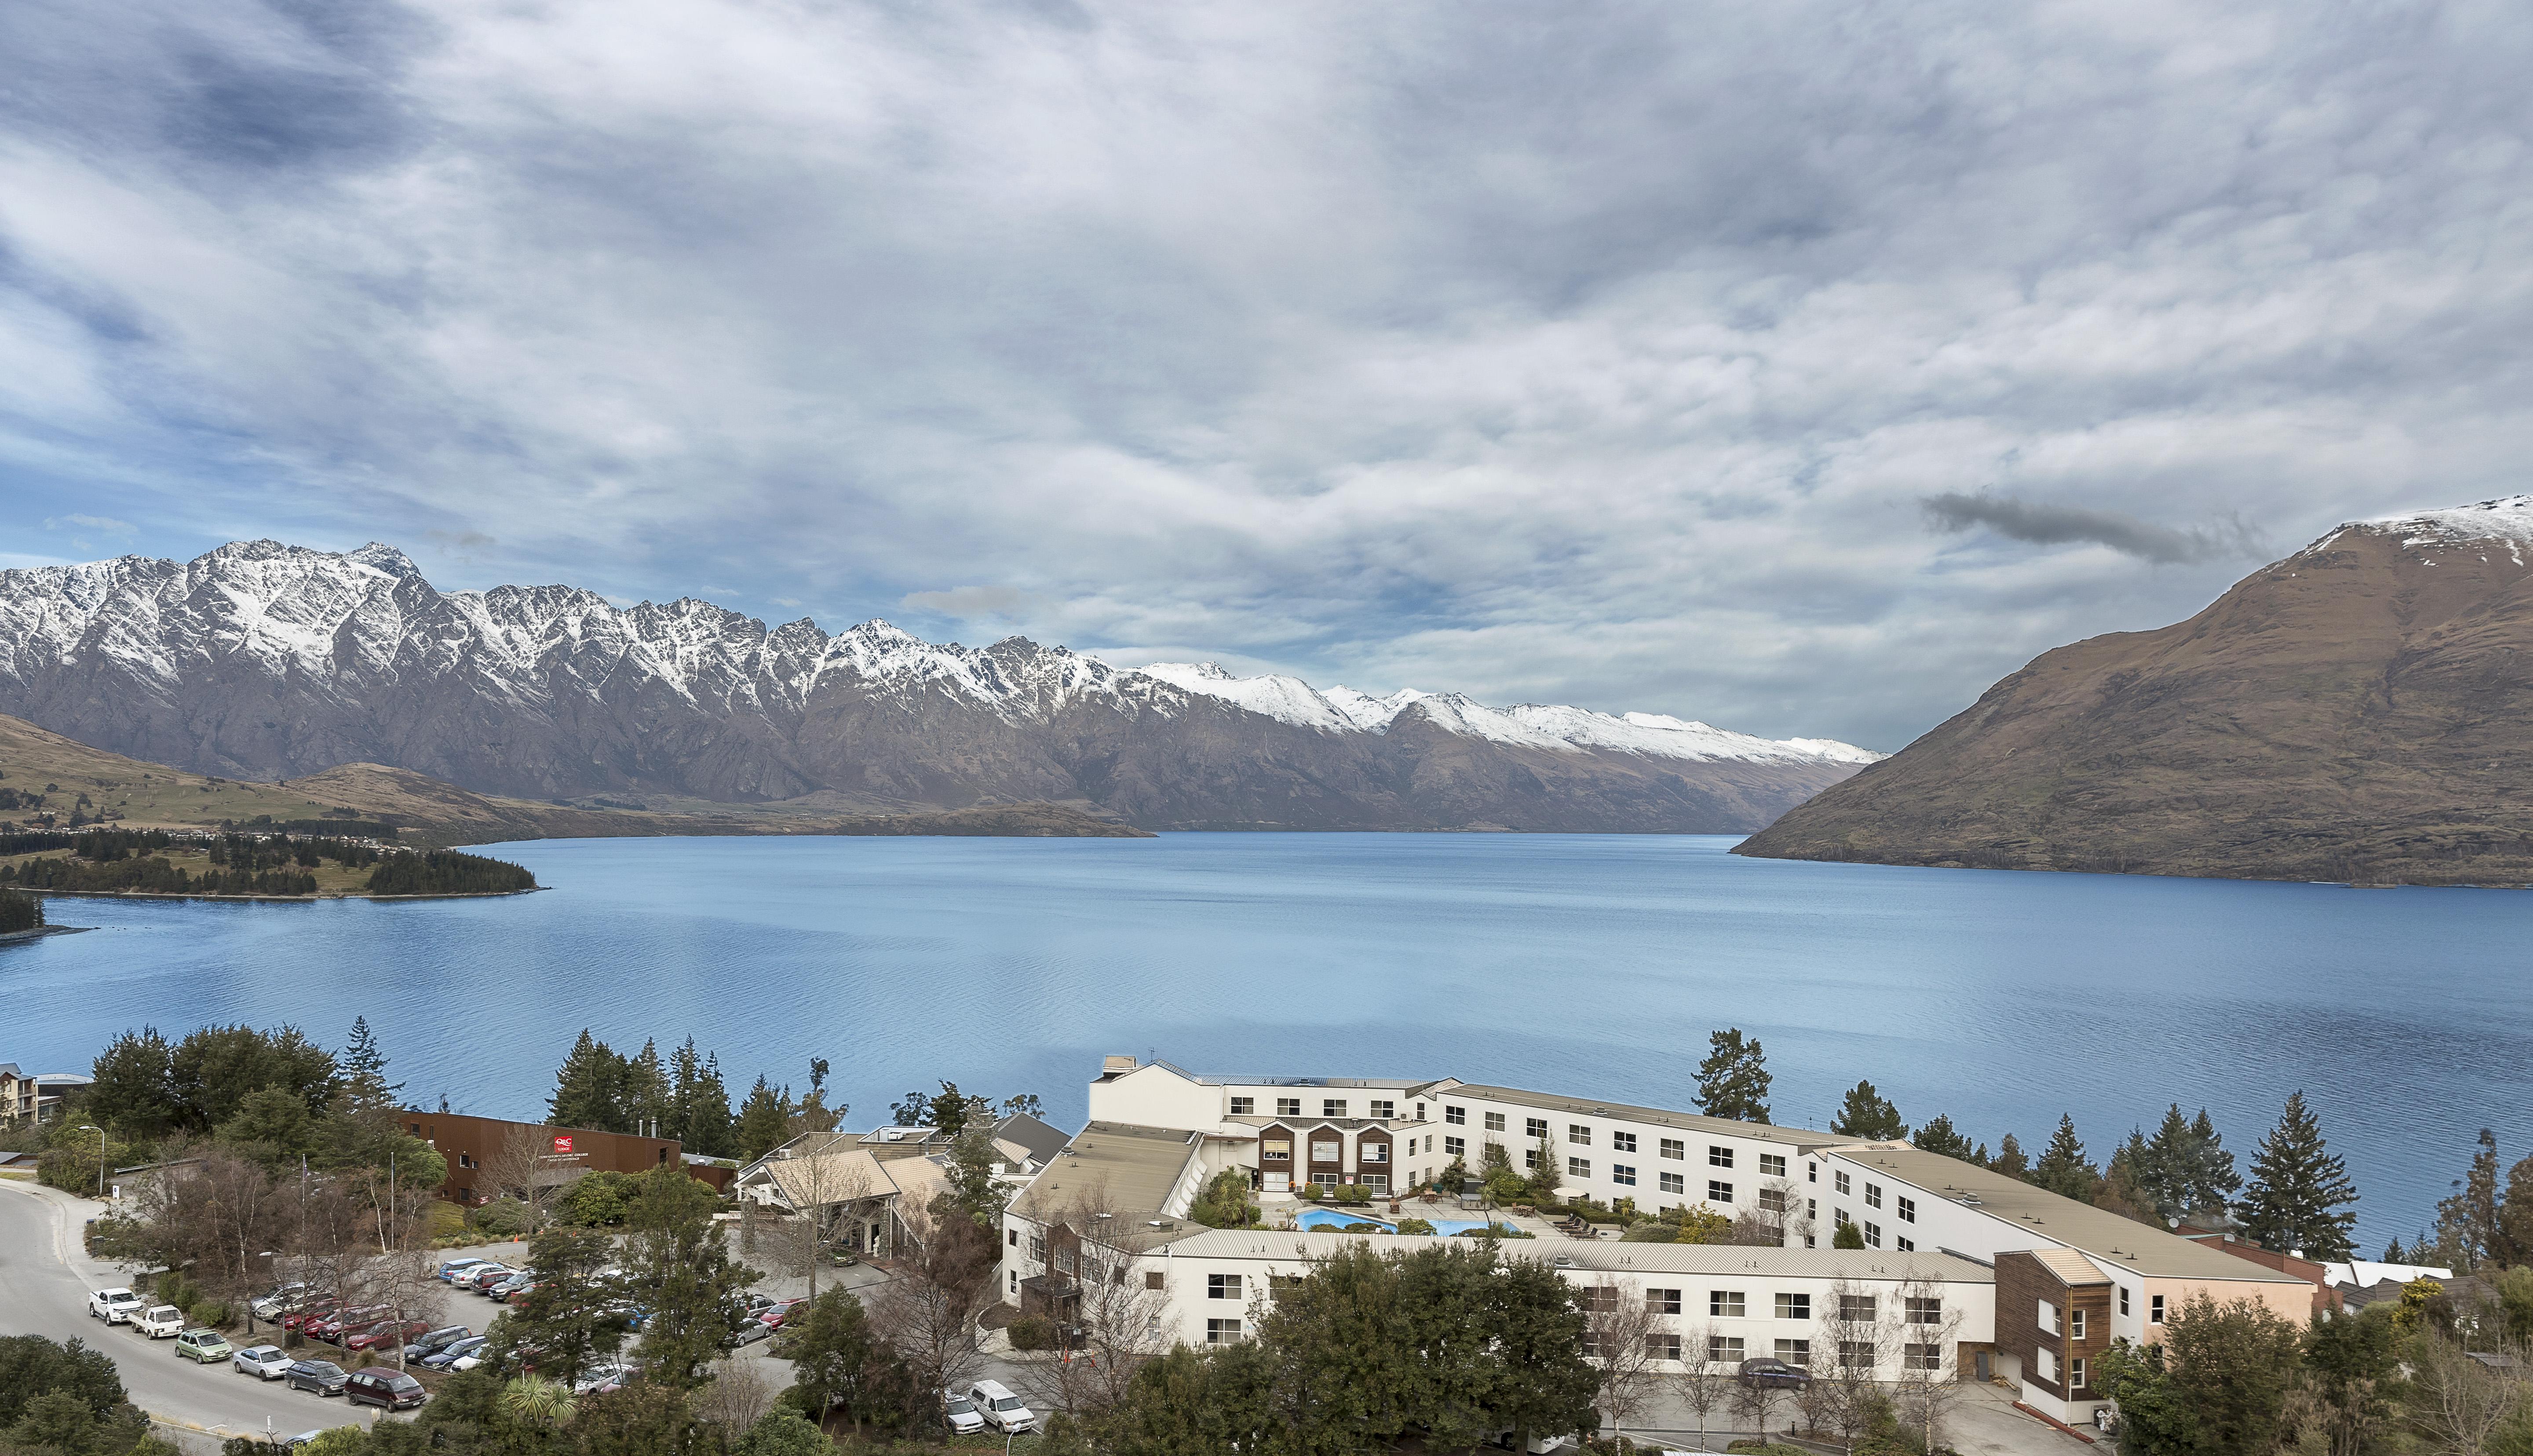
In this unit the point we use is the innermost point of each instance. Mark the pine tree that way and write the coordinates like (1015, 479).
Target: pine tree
(1733, 1079)
(645, 1098)
(2515, 1242)
(762, 1120)
(709, 1118)
(365, 1072)
(2392, 1251)
(1939, 1136)
(2467, 1221)
(2300, 1190)
(2212, 1179)
(951, 1110)
(589, 1089)
(1868, 1115)
(2009, 1159)
(2062, 1167)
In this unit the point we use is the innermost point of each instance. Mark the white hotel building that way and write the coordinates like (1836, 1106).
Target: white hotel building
(2026, 1287)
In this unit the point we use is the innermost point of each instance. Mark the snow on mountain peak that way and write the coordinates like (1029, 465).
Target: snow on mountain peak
(2507, 519)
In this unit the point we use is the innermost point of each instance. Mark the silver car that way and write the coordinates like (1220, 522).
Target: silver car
(265, 1361)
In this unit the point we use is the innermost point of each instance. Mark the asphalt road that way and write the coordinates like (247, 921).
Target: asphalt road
(45, 1279)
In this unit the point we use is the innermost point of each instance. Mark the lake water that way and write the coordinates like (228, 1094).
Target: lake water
(1585, 964)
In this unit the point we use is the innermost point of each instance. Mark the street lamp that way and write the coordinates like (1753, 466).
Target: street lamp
(100, 1154)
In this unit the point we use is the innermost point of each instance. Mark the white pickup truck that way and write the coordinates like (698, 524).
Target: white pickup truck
(114, 1305)
(160, 1322)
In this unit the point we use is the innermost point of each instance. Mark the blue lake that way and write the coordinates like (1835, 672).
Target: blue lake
(1590, 964)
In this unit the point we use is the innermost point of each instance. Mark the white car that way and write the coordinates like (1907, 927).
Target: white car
(959, 1413)
(278, 1302)
(114, 1305)
(266, 1361)
(1002, 1410)
(607, 1376)
(160, 1322)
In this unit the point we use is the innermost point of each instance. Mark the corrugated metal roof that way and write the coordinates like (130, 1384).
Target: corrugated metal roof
(1124, 1168)
(2072, 1268)
(1630, 1113)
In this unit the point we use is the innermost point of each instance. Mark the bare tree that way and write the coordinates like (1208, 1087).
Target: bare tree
(737, 1397)
(1928, 1327)
(928, 1311)
(1113, 1325)
(1619, 1327)
(2457, 1402)
(1751, 1402)
(1775, 1220)
(521, 1166)
(1701, 1383)
(1857, 1331)
(824, 1185)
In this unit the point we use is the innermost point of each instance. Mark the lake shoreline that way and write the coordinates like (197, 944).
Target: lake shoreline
(281, 899)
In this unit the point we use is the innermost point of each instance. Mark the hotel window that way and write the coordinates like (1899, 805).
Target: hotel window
(1332, 1107)
(1622, 1142)
(1838, 1180)
(1014, 1238)
(1325, 1179)
(1773, 1199)
(1925, 1311)
(1675, 1183)
(1873, 1195)
(1662, 1345)
(1811, 1172)
(1855, 1308)
(1772, 1165)
(1534, 1126)
(1917, 1357)
(2075, 1324)
(1244, 1106)
(1428, 1143)
(2049, 1364)
(1420, 1112)
(1456, 1146)
(1718, 1157)
(1724, 1349)
(1794, 1307)
(1374, 1152)
(1328, 1151)
(2124, 1299)
(1905, 1245)
(1717, 1190)
(465, 1161)
(1662, 1301)
(1578, 1167)
(1794, 1351)
(1873, 1236)
(1276, 1150)
(1675, 1149)
(1907, 1209)
(1494, 1122)
(1288, 1107)
(1152, 1278)
(1223, 1286)
(1223, 1331)
(1064, 1260)
(2046, 1316)
(1016, 1281)
(1457, 1117)
(2155, 1309)
(1530, 1158)
(2076, 1374)
(1727, 1304)
(1578, 1135)
(1600, 1298)
(1385, 1111)
(1856, 1355)
(1622, 1174)
(1037, 1247)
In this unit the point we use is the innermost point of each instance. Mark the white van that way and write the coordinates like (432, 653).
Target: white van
(162, 1322)
(1002, 1410)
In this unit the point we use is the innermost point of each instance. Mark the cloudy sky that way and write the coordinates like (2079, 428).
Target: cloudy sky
(1798, 367)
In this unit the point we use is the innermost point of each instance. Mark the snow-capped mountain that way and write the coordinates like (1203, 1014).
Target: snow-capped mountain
(260, 660)
(1557, 729)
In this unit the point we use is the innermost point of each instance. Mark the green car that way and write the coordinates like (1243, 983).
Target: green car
(203, 1345)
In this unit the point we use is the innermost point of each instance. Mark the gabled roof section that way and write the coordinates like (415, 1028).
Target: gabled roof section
(1039, 1141)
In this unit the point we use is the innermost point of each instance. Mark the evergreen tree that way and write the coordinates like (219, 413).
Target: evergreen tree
(645, 1097)
(2009, 1159)
(681, 1259)
(1939, 1136)
(950, 1109)
(365, 1072)
(2467, 1221)
(2514, 1240)
(2300, 1192)
(565, 1315)
(2062, 1167)
(762, 1120)
(710, 1117)
(2212, 1179)
(1733, 1079)
(972, 1165)
(837, 1359)
(1849, 1236)
(1868, 1115)
(911, 1112)
(2393, 1253)
(589, 1089)
(133, 1091)
(1022, 1104)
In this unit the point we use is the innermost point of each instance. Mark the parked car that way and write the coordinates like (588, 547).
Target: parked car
(299, 1317)
(1774, 1373)
(320, 1375)
(160, 1322)
(450, 1353)
(452, 1270)
(518, 1283)
(1005, 1412)
(473, 1358)
(265, 1361)
(749, 1331)
(480, 1280)
(278, 1302)
(431, 1342)
(202, 1346)
(959, 1414)
(386, 1335)
(387, 1389)
(115, 1305)
(604, 1376)
(781, 1313)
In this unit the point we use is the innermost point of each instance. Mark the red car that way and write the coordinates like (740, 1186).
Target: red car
(330, 1328)
(389, 1332)
(782, 1311)
(300, 1319)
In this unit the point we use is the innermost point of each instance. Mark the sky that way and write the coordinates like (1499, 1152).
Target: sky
(1800, 367)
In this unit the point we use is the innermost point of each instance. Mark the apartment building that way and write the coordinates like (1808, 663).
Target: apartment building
(36, 1096)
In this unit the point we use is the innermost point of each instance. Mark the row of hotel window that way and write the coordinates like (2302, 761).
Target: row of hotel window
(1380, 1109)
(1723, 1350)
(1721, 1304)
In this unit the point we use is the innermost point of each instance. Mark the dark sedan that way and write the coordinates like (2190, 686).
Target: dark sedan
(1775, 1372)
(320, 1375)
(433, 1342)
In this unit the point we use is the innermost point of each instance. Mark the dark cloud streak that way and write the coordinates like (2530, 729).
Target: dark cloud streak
(2042, 524)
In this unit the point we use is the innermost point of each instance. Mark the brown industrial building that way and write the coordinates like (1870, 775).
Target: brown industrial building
(475, 1145)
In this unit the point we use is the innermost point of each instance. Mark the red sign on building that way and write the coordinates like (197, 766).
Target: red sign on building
(562, 1146)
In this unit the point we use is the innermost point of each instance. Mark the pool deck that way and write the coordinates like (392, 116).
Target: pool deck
(1280, 1209)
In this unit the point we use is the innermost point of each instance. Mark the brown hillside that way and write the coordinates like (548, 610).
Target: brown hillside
(2359, 712)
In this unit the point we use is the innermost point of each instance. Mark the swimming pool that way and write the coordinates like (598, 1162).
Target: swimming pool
(1332, 1218)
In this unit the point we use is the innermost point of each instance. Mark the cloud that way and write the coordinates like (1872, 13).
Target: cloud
(2058, 525)
(108, 524)
(1610, 362)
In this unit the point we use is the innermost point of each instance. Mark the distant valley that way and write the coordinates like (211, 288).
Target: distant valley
(266, 663)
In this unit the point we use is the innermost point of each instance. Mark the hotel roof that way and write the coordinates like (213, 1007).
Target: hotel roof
(1114, 1167)
(1630, 1113)
(1620, 1260)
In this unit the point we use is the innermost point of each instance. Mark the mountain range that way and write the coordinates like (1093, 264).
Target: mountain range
(2360, 712)
(268, 662)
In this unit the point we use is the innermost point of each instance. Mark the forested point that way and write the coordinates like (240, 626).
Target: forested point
(135, 862)
(20, 910)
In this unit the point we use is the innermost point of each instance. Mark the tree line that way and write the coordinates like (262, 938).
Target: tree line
(2297, 1197)
(20, 910)
(126, 861)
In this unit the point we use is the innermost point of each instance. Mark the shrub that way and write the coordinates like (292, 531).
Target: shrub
(1348, 1195)
(1650, 1233)
(216, 1313)
(1029, 1332)
(502, 1218)
(1414, 1226)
